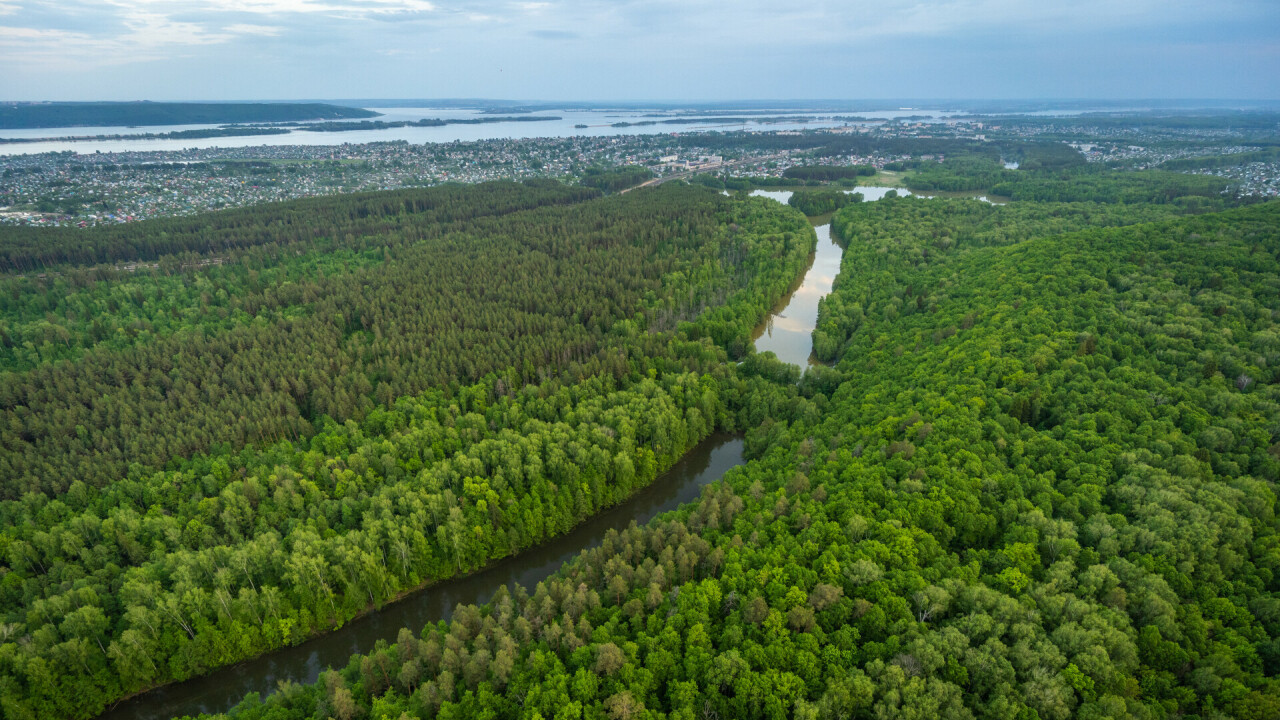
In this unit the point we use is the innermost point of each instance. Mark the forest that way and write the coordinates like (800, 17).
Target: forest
(1044, 490)
(1217, 161)
(1067, 182)
(828, 172)
(821, 202)
(180, 496)
(616, 179)
(823, 145)
(1035, 480)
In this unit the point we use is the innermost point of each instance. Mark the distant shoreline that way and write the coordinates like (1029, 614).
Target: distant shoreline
(19, 116)
(282, 129)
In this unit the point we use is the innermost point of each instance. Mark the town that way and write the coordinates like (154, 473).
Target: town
(74, 189)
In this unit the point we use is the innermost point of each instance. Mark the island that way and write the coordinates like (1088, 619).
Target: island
(114, 114)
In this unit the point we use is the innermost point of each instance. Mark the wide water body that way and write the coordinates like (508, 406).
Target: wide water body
(222, 689)
(597, 122)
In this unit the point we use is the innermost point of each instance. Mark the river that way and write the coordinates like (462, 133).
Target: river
(595, 122)
(788, 331)
(222, 689)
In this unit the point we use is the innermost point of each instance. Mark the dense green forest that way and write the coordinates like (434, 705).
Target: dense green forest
(182, 496)
(828, 172)
(1207, 162)
(889, 240)
(963, 172)
(1067, 182)
(264, 343)
(340, 222)
(270, 341)
(1041, 155)
(72, 114)
(821, 202)
(616, 179)
(1046, 490)
(1037, 480)
(1093, 185)
(829, 145)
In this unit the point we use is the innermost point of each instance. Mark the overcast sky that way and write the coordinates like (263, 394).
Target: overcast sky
(638, 49)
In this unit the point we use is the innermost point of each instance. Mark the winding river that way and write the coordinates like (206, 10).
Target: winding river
(787, 332)
(222, 689)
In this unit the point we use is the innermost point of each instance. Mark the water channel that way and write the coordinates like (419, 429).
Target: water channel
(788, 331)
(222, 689)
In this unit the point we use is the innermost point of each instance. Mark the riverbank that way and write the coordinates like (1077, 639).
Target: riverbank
(223, 688)
(787, 331)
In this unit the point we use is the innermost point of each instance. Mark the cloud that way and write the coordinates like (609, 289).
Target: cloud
(75, 33)
(690, 46)
(348, 9)
(143, 36)
(72, 34)
(147, 29)
(22, 33)
(248, 29)
(555, 34)
(770, 24)
(63, 50)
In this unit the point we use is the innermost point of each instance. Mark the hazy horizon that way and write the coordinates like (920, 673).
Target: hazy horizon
(597, 51)
(873, 104)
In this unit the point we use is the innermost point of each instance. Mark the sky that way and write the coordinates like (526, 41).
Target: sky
(638, 49)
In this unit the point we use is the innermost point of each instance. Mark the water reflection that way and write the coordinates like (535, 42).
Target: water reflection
(869, 193)
(788, 332)
(219, 691)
